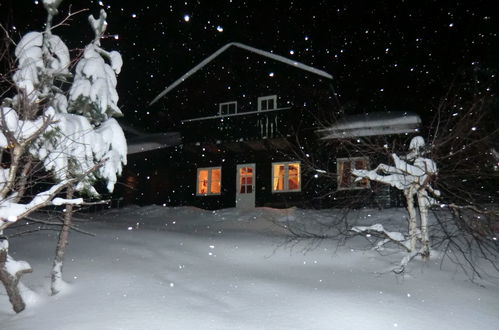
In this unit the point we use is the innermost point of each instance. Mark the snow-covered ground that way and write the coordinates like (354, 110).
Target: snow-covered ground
(185, 268)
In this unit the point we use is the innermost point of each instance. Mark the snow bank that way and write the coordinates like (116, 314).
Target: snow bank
(185, 268)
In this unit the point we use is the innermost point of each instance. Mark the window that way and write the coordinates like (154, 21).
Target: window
(209, 181)
(267, 102)
(246, 180)
(344, 168)
(286, 177)
(227, 108)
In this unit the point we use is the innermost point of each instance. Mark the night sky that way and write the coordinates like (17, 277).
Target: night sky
(384, 55)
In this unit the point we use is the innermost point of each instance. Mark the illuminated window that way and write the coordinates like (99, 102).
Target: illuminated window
(344, 168)
(209, 181)
(227, 108)
(286, 177)
(267, 102)
(246, 180)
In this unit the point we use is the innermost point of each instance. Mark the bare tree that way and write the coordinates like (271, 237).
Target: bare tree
(461, 135)
(413, 175)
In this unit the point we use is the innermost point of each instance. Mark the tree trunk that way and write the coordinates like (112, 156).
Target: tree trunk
(24, 179)
(11, 281)
(423, 210)
(56, 275)
(413, 226)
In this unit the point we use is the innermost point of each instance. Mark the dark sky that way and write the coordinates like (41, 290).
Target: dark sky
(383, 54)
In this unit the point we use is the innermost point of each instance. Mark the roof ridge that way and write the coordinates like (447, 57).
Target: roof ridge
(222, 49)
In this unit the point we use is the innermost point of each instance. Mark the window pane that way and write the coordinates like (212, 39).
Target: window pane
(263, 105)
(271, 104)
(362, 183)
(249, 189)
(203, 182)
(243, 189)
(294, 183)
(215, 181)
(344, 174)
(294, 169)
(361, 164)
(294, 176)
(278, 177)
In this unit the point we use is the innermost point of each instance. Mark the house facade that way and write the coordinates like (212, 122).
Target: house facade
(247, 121)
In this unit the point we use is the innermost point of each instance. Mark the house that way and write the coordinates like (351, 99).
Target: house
(244, 120)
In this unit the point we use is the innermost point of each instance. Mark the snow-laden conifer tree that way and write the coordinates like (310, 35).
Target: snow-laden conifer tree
(93, 101)
(38, 135)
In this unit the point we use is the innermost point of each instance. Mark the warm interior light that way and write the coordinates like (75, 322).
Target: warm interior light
(202, 181)
(278, 177)
(294, 176)
(215, 180)
(246, 180)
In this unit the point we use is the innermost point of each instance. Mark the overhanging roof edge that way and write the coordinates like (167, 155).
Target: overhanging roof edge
(207, 60)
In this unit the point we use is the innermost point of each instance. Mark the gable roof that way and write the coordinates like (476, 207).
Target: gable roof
(207, 60)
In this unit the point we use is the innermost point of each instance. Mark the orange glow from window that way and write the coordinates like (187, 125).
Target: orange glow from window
(278, 177)
(246, 180)
(202, 182)
(215, 180)
(294, 176)
(286, 177)
(209, 181)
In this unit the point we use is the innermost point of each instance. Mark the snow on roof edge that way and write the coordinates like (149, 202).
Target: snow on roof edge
(375, 123)
(207, 60)
(147, 142)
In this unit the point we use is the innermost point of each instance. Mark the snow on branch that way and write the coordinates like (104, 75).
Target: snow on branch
(93, 93)
(64, 201)
(413, 174)
(11, 212)
(393, 236)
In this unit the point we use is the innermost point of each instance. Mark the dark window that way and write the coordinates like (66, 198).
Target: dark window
(344, 171)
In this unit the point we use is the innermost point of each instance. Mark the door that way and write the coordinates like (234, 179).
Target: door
(245, 186)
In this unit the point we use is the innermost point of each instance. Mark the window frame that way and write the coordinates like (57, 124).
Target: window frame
(285, 177)
(220, 105)
(352, 185)
(267, 98)
(209, 180)
(242, 179)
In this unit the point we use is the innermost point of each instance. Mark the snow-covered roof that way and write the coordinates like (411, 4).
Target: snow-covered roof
(147, 142)
(248, 48)
(374, 123)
